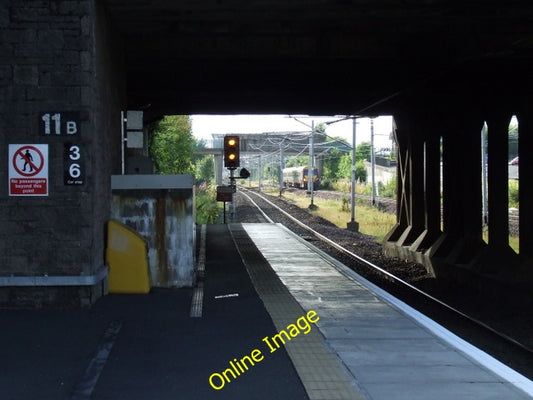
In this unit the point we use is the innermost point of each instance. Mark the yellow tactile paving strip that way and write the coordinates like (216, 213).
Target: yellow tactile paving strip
(323, 374)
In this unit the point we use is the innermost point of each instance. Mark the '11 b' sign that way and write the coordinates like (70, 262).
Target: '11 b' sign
(59, 123)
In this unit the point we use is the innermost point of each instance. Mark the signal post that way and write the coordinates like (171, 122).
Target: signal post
(231, 162)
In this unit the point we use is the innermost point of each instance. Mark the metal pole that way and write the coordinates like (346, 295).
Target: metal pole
(310, 173)
(484, 172)
(281, 162)
(271, 168)
(232, 205)
(353, 172)
(260, 170)
(122, 120)
(373, 162)
(353, 225)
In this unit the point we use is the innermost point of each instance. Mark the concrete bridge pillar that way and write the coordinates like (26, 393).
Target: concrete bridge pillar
(498, 256)
(219, 165)
(498, 191)
(411, 223)
(451, 194)
(525, 173)
(418, 187)
(462, 206)
(403, 188)
(432, 185)
(61, 91)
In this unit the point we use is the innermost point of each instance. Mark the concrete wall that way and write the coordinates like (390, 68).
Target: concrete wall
(55, 57)
(383, 174)
(161, 209)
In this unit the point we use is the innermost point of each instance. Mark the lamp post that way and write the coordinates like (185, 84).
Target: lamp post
(281, 165)
(260, 171)
(310, 171)
(353, 225)
(373, 161)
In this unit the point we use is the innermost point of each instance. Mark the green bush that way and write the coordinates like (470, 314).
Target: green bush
(513, 193)
(207, 210)
(360, 171)
(389, 189)
(326, 184)
(345, 204)
(341, 185)
(367, 189)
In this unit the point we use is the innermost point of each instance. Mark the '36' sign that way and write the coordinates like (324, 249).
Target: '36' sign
(74, 173)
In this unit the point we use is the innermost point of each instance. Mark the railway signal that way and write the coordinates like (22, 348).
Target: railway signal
(231, 152)
(244, 173)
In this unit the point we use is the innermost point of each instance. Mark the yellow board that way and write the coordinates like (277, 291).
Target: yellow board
(127, 258)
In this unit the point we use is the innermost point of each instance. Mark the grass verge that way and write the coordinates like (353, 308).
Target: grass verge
(371, 221)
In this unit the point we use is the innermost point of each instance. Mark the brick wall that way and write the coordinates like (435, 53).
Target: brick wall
(58, 56)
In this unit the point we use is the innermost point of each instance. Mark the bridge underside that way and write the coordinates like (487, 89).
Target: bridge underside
(310, 56)
(440, 68)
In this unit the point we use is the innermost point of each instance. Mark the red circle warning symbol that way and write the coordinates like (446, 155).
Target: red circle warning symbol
(28, 160)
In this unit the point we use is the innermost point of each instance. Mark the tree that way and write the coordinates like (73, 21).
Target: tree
(345, 166)
(320, 128)
(297, 161)
(199, 144)
(205, 169)
(360, 171)
(331, 163)
(332, 159)
(172, 145)
(362, 151)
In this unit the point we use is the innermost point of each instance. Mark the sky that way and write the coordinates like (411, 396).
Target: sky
(205, 125)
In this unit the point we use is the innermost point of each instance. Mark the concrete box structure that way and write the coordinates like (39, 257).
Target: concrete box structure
(161, 209)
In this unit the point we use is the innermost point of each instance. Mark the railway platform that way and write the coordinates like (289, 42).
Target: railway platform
(387, 350)
(271, 318)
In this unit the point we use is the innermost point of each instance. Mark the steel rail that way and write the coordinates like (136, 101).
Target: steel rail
(270, 220)
(388, 274)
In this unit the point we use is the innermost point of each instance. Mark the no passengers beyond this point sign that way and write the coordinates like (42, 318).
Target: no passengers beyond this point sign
(28, 169)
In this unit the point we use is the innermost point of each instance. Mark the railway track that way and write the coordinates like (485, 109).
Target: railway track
(502, 345)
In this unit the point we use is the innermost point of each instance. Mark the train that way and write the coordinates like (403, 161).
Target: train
(298, 177)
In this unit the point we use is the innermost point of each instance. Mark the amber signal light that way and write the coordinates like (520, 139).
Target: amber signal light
(231, 152)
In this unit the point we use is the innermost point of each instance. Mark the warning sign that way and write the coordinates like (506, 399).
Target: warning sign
(28, 169)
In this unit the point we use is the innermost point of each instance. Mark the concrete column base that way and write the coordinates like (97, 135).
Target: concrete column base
(425, 241)
(353, 226)
(511, 285)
